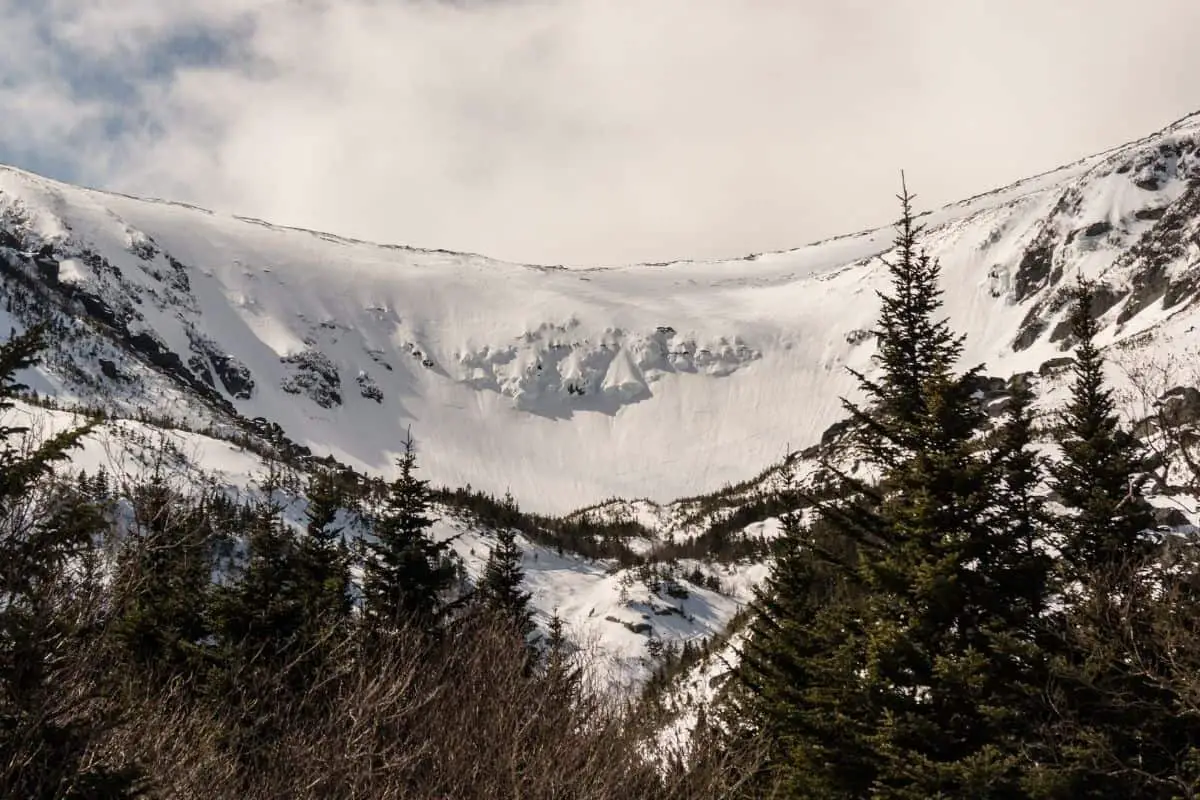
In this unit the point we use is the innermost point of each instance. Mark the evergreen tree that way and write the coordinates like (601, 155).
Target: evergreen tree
(556, 643)
(265, 639)
(1016, 574)
(1017, 559)
(917, 351)
(406, 571)
(260, 614)
(562, 675)
(500, 587)
(921, 660)
(953, 591)
(1119, 725)
(323, 555)
(46, 527)
(163, 580)
(783, 698)
(1102, 469)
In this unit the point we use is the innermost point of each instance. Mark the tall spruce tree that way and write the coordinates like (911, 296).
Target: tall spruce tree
(1019, 566)
(323, 555)
(1017, 574)
(260, 615)
(561, 674)
(1120, 727)
(264, 639)
(922, 664)
(406, 570)
(796, 640)
(956, 585)
(46, 528)
(163, 580)
(500, 588)
(1100, 475)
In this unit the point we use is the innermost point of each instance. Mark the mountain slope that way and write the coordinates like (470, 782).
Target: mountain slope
(570, 385)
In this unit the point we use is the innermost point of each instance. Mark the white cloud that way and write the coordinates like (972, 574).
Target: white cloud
(598, 130)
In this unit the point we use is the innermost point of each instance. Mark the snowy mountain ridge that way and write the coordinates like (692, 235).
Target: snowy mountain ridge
(569, 386)
(665, 396)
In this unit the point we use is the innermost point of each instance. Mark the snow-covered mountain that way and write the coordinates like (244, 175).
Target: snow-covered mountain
(649, 382)
(570, 385)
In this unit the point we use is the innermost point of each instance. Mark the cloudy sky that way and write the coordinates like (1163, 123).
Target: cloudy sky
(581, 131)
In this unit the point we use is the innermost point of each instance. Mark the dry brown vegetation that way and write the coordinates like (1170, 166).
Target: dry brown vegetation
(462, 718)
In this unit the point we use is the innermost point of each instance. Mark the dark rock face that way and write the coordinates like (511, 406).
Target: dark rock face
(8, 240)
(315, 376)
(368, 388)
(1023, 380)
(1035, 268)
(109, 302)
(1097, 229)
(1031, 330)
(234, 375)
(144, 249)
(1055, 366)
(153, 350)
(1104, 298)
(109, 370)
(1148, 286)
(180, 275)
(836, 431)
(200, 369)
(1181, 406)
(274, 434)
(99, 310)
(1177, 230)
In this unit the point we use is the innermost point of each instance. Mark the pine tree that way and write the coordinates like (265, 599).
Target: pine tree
(500, 587)
(1102, 469)
(951, 655)
(45, 527)
(920, 660)
(323, 555)
(782, 698)
(265, 641)
(1119, 725)
(260, 614)
(561, 676)
(1016, 574)
(917, 350)
(406, 571)
(1017, 557)
(163, 580)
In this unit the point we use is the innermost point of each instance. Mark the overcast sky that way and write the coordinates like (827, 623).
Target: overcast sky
(582, 131)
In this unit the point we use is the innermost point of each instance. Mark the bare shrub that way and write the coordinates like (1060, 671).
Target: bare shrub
(463, 717)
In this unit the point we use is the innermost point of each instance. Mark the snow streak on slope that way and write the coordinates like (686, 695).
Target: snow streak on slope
(572, 385)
